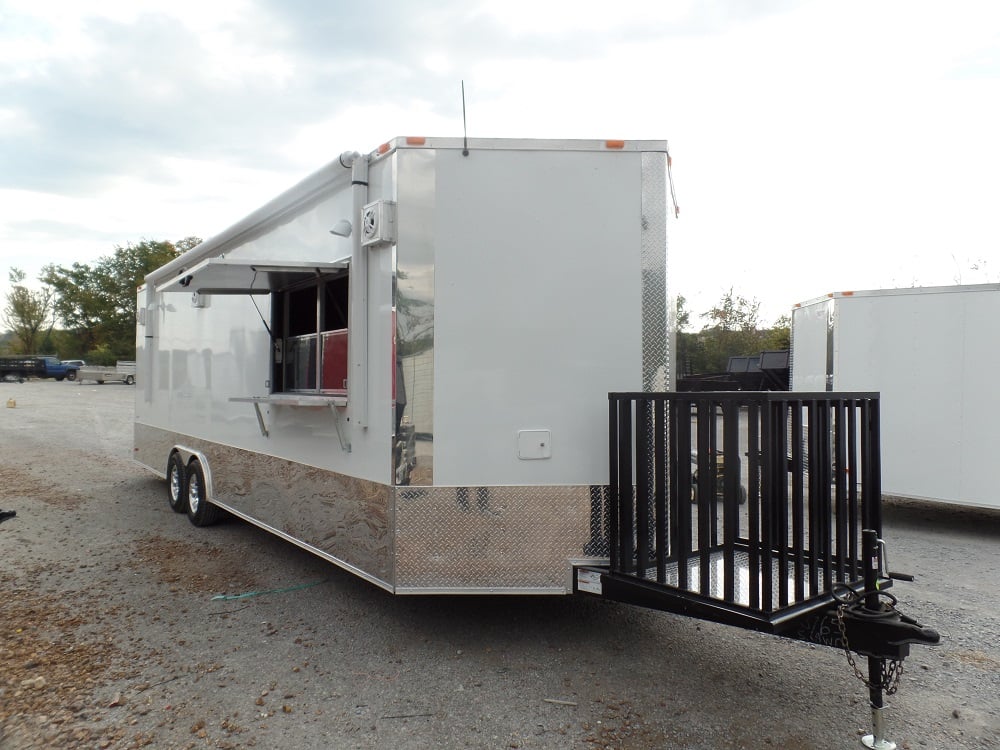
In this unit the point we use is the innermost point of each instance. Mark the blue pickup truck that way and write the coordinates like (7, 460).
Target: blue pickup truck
(23, 366)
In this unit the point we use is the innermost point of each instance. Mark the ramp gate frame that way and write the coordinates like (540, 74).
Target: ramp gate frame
(743, 508)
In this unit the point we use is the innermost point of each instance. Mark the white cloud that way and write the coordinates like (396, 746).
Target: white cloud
(817, 146)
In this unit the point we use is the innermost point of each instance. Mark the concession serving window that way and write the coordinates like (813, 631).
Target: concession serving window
(309, 315)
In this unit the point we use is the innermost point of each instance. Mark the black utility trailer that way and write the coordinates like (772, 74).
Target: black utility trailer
(21, 367)
(801, 558)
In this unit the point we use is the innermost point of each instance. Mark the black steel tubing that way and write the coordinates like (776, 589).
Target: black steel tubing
(642, 485)
(731, 495)
(706, 492)
(613, 481)
(660, 488)
(805, 458)
(798, 509)
(753, 501)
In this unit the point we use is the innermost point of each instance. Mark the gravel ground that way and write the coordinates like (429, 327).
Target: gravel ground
(110, 636)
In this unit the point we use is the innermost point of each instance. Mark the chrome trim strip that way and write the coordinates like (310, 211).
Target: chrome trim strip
(309, 548)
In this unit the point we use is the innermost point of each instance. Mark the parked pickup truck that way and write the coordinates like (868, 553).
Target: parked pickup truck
(23, 366)
(122, 372)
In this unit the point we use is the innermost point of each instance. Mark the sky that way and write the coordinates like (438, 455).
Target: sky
(817, 146)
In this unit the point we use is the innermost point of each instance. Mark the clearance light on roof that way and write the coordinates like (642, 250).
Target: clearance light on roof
(614, 144)
(415, 140)
(384, 148)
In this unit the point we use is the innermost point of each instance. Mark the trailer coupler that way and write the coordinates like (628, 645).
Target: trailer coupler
(871, 626)
(6, 515)
(883, 633)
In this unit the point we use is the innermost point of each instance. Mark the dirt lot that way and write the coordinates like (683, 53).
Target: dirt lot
(110, 635)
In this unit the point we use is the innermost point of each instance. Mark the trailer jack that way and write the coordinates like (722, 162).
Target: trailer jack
(870, 625)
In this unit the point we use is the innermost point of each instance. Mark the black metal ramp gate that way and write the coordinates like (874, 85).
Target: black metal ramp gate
(744, 508)
(760, 510)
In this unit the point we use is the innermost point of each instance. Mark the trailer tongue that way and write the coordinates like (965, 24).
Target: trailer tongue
(788, 544)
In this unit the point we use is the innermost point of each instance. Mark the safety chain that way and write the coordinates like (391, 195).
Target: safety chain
(892, 670)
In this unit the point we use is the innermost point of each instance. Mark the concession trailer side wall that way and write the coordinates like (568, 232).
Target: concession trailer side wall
(402, 363)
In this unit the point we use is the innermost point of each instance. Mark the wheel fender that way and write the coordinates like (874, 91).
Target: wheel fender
(188, 454)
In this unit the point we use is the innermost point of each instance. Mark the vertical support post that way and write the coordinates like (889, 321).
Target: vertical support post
(767, 508)
(731, 494)
(614, 497)
(779, 492)
(706, 493)
(642, 483)
(660, 487)
(855, 471)
(681, 497)
(798, 512)
(626, 513)
(357, 342)
(754, 499)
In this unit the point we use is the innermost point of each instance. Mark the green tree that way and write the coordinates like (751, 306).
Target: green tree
(97, 302)
(732, 331)
(733, 328)
(779, 335)
(28, 314)
(734, 312)
(682, 316)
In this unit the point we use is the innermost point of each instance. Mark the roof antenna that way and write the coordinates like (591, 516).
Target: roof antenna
(465, 127)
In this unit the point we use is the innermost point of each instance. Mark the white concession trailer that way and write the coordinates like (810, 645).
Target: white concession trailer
(933, 354)
(402, 363)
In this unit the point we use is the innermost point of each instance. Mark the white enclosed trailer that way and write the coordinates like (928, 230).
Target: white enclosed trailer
(402, 364)
(932, 354)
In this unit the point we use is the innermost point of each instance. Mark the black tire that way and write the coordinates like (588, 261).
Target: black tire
(199, 511)
(176, 484)
(100, 382)
(129, 380)
(71, 375)
(59, 379)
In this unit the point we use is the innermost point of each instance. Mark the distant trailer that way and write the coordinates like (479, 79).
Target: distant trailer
(932, 354)
(122, 372)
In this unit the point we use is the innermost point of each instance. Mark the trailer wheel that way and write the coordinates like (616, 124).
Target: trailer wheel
(200, 512)
(129, 380)
(176, 484)
(71, 375)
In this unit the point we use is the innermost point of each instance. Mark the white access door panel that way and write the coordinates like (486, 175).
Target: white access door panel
(537, 312)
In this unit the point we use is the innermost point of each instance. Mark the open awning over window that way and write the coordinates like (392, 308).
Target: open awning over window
(239, 276)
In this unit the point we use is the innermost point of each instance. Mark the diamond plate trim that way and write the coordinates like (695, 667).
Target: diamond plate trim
(496, 538)
(656, 372)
